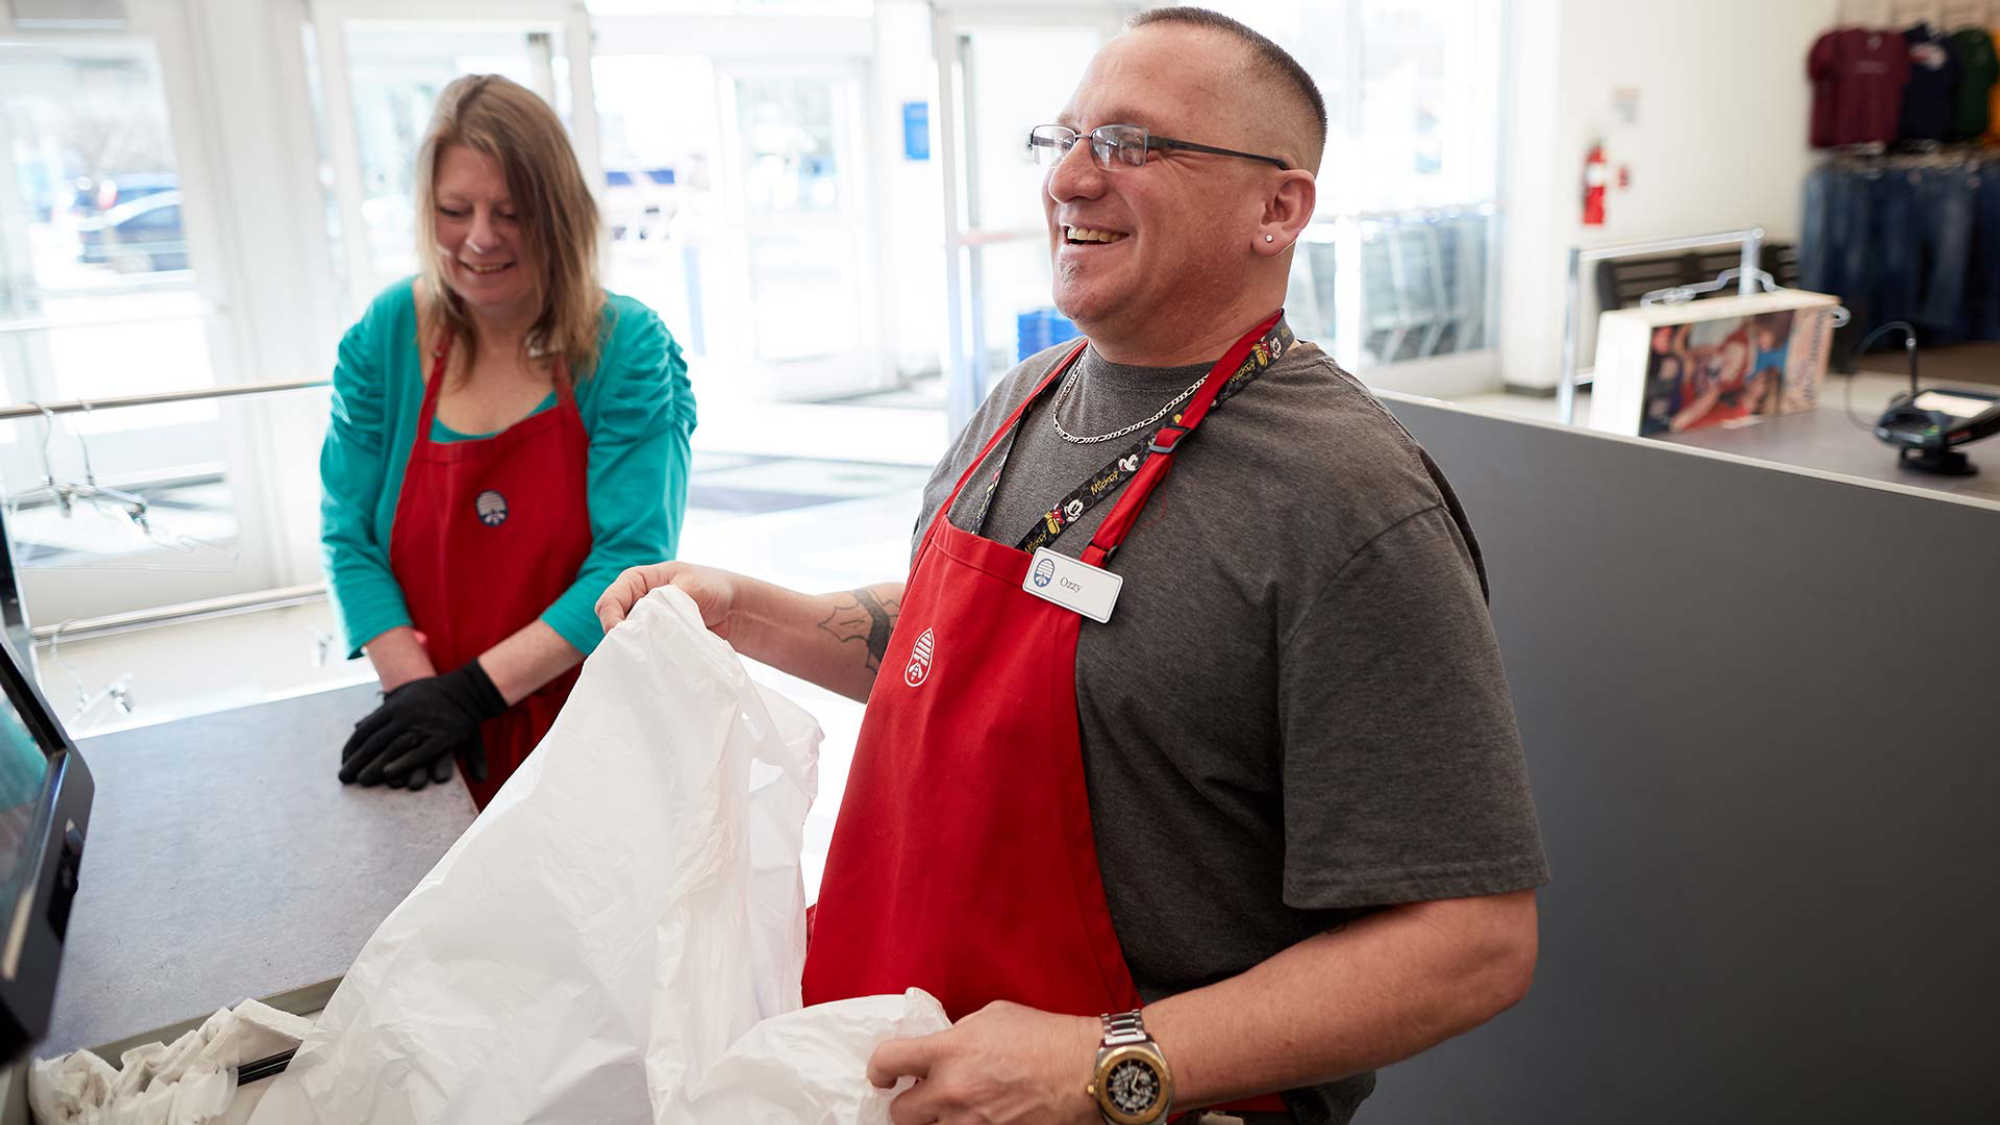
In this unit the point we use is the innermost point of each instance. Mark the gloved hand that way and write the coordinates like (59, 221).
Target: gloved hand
(409, 740)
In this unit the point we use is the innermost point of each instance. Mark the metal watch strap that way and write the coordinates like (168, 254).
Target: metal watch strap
(1124, 1028)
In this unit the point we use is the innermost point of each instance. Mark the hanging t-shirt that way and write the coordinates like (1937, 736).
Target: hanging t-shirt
(1927, 97)
(1857, 76)
(1826, 90)
(1972, 50)
(1993, 103)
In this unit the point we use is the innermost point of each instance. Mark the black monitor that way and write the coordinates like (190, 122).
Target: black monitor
(45, 792)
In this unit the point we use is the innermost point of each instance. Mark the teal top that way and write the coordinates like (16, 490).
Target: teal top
(637, 408)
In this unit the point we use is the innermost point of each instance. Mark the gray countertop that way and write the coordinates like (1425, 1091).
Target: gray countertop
(225, 860)
(1827, 440)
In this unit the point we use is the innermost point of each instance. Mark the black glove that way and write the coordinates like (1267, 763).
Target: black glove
(438, 771)
(420, 725)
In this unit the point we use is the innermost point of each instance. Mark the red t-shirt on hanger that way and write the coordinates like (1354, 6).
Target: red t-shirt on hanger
(1858, 75)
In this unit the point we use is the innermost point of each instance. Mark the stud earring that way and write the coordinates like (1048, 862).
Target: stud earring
(1267, 238)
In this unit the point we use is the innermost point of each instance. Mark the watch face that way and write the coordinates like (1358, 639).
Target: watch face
(1133, 1087)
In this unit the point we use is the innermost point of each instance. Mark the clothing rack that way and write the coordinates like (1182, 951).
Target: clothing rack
(1958, 157)
(1946, 14)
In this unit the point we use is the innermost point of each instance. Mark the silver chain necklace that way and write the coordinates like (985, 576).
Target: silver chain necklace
(1069, 383)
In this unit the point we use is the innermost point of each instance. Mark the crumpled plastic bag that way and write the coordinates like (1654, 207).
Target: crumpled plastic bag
(809, 1067)
(597, 944)
(187, 1082)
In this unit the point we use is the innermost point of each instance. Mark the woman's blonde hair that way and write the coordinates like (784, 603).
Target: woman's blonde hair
(558, 217)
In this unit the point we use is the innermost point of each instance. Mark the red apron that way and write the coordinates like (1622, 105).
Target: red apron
(487, 534)
(962, 862)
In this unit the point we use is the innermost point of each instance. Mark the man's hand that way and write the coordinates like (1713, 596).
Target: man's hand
(1002, 1065)
(713, 591)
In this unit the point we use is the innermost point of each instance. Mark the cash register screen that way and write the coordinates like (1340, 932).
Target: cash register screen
(1958, 406)
(24, 768)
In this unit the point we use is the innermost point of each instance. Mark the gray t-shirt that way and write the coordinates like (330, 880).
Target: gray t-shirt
(1296, 713)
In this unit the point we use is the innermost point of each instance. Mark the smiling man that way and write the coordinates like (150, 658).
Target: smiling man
(1193, 781)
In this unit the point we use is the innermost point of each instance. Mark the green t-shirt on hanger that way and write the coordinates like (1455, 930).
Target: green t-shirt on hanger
(1978, 68)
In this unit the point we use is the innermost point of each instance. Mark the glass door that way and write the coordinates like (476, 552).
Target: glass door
(1002, 70)
(797, 189)
(109, 233)
(661, 138)
(382, 67)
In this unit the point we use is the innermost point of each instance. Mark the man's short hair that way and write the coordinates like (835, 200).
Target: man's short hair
(1270, 59)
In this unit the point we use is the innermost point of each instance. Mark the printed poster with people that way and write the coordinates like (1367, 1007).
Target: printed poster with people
(1731, 370)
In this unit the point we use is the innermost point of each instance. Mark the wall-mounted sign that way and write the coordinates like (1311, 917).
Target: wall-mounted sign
(916, 130)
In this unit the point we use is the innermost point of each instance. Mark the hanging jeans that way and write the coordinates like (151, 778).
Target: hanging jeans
(1924, 235)
(1816, 244)
(1916, 244)
(1891, 198)
(1844, 212)
(1944, 238)
(1982, 280)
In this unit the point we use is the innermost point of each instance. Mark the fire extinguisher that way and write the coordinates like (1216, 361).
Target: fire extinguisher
(1596, 177)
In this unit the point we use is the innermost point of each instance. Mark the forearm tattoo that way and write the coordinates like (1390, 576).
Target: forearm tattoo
(859, 615)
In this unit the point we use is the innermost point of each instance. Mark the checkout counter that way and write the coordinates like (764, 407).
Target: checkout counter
(1827, 440)
(1753, 672)
(226, 861)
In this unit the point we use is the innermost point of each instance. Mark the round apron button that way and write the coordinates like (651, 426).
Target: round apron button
(492, 508)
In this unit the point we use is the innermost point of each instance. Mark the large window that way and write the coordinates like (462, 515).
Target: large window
(1397, 265)
(106, 298)
(124, 252)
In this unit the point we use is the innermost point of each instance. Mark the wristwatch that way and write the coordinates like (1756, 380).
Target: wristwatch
(1131, 1083)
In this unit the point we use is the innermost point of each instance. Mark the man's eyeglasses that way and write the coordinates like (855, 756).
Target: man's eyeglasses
(1115, 145)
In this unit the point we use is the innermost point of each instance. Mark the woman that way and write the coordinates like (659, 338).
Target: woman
(506, 438)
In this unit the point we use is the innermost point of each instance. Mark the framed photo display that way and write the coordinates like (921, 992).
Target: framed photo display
(1727, 361)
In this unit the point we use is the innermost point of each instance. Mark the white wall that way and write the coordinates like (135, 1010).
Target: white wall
(1719, 141)
(911, 230)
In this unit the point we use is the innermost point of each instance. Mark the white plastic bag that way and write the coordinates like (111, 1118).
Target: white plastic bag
(622, 912)
(189, 1081)
(808, 1067)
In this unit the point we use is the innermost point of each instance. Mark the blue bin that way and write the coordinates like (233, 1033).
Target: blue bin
(1040, 328)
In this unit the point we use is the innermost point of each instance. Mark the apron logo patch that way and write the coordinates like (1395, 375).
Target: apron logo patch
(492, 508)
(1045, 572)
(920, 660)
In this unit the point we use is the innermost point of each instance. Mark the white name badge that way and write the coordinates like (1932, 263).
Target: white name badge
(1073, 584)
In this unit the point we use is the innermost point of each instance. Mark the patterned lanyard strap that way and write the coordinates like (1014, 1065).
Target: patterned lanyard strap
(1106, 481)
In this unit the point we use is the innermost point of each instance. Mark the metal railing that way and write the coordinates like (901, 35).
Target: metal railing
(1752, 239)
(14, 616)
(196, 394)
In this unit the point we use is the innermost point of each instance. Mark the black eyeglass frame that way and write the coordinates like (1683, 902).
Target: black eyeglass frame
(1152, 143)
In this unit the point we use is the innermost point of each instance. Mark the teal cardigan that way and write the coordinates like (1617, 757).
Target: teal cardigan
(637, 408)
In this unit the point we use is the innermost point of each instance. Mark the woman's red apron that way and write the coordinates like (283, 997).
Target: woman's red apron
(488, 533)
(963, 862)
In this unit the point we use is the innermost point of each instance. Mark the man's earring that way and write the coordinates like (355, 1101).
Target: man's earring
(1267, 238)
